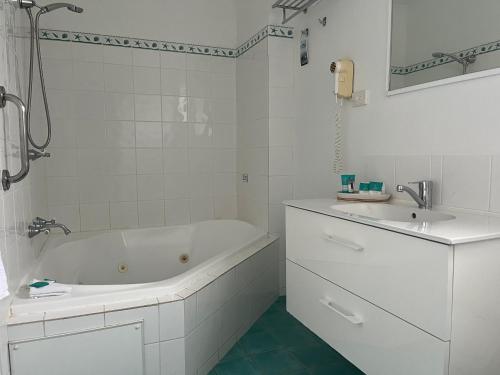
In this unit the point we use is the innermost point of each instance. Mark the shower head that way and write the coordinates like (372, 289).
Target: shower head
(467, 59)
(54, 6)
(464, 61)
(438, 55)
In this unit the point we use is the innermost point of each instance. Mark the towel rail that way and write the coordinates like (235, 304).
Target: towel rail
(295, 6)
(7, 179)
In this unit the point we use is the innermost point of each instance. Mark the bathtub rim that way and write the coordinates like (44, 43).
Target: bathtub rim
(60, 240)
(23, 310)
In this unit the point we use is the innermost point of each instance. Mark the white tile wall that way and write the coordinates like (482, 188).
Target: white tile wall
(281, 140)
(150, 316)
(460, 181)
(172, 354)
(80, 323)
(26, 331)
(150, 134)
(27, 199)
(253, 135)
(442, 133)
(152, 358)
(171, 320)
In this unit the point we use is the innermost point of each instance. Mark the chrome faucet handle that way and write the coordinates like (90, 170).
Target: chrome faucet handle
(423, 185)
(42, 221)
(420, 182)
(35, 229)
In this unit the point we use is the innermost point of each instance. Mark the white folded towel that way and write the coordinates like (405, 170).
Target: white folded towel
(4, 288)
(47, 288)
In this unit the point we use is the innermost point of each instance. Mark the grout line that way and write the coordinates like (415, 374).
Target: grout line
(490, 185)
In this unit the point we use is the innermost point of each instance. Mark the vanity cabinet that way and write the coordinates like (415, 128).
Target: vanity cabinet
(407, 276)
(386, 300)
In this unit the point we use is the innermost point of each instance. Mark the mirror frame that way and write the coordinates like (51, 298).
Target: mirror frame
(427, 85)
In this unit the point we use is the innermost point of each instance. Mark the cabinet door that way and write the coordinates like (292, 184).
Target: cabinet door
(475, 338)
(109, 351)
(407, 276)
(375, 341)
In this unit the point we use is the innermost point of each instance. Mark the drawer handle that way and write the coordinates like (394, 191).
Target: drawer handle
(351, 317)
(343, 242)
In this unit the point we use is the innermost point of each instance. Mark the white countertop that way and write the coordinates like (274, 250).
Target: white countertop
(465, 228)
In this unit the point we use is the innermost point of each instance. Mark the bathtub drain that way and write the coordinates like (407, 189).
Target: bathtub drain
(122, 268)
(184, 258)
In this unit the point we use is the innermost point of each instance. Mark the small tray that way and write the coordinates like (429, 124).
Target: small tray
(356, 197)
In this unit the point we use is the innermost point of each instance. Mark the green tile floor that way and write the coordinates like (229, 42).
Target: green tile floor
(279, 344)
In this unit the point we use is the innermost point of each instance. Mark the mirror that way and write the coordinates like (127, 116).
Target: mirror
(437, 41)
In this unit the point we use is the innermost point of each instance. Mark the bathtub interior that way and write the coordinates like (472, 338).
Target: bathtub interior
(143, 255)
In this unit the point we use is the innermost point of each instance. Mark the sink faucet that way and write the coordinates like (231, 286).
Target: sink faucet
(41, 225)
(424, 196)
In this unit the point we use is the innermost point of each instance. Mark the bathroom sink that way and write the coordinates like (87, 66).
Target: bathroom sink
(392, 213)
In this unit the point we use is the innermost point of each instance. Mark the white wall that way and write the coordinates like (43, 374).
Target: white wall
(282, 114)
(252, 77)
(25, 200)
(448, 133)
(142, 138)
(253, 15)
(171, 20)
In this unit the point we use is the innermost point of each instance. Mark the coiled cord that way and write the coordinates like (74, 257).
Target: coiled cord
(338, 161)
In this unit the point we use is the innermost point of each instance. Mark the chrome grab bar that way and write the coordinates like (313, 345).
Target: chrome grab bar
(7, 179)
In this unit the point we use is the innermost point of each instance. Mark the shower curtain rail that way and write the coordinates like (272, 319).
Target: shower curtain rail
(295, 7)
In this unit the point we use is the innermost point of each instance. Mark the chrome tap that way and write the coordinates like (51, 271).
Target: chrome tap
(41, 225)
(424, 196)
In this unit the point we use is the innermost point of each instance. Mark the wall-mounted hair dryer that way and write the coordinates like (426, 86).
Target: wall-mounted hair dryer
(344, 78)
(344, 88)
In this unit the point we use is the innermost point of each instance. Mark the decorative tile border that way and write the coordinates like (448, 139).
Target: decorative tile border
(165, 46)
(267, 31)
(432, 63)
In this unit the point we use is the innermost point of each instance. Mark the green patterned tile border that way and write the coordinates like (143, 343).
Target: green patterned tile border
(267, 31)
(433, 63)
(165, 46)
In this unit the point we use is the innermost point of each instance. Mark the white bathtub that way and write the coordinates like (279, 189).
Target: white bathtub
(134, 288)
(129, 264)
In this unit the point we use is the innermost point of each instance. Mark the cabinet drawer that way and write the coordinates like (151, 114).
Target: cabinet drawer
(375, 341)
(407, 276)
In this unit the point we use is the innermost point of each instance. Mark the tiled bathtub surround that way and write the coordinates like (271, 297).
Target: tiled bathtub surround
(281, 140)
(253, 138)
(24, 200)
(142, 138)
(186, 333)
(159, 143)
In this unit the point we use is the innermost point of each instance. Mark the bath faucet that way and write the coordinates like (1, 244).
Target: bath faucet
(424, 196)
(41, 225)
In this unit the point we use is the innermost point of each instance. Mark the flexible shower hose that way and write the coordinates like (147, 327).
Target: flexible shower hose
(338, 162)
(35, 38)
